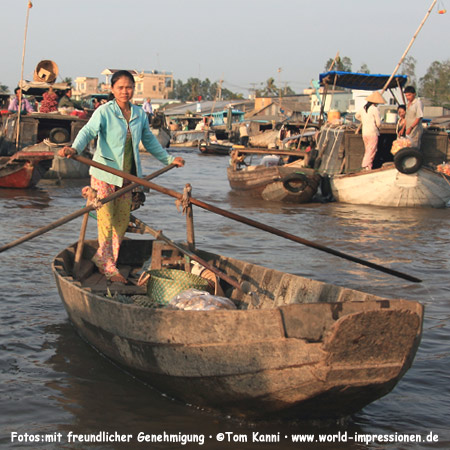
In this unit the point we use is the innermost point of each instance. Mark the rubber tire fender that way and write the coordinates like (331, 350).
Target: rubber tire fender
(408, 160)
(59, 135)
(295, 177)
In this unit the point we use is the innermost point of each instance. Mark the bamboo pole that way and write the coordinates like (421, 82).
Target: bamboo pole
(29, 6)
(245, 220)
(409, 46)
(264, 151)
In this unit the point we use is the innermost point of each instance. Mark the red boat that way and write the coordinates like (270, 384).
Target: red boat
(25, 168)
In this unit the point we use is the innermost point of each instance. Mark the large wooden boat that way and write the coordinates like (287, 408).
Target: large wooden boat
(25, 168)
(306, 349)
(287, 183)
(407, 178)
(387, 186)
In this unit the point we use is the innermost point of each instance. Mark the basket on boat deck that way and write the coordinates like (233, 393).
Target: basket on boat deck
(165, 284)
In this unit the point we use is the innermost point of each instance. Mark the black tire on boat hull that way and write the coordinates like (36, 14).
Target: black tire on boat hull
(59, 135)
(295, 182)
(408, 160)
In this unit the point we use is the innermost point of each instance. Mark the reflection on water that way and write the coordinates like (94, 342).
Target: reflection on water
(51, 380)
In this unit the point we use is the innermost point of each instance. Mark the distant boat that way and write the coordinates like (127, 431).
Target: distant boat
(46, 130)
(25, 168)
(307, 349)
(214, 149)
(290, 183)
(407, 179)
(188, 138)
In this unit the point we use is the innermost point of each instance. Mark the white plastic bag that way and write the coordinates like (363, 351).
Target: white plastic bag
(193, 299)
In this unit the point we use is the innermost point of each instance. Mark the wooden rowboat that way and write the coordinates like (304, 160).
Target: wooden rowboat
(289, 183)
(307, 350)
(25, 168)
(211, 148)
(387, 186)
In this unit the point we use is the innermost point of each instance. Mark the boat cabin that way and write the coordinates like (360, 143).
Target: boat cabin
(35, 127)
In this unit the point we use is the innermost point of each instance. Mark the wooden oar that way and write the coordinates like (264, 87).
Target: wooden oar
(158, 234)
(264, 151)
(247, 221)
(82, 211)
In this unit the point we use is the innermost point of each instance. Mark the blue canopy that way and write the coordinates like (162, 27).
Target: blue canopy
(363, 81)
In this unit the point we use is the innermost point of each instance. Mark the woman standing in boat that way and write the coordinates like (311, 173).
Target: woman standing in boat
(370, 122)
(119, 127)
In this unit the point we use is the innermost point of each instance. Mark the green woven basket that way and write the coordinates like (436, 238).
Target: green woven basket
(165, 284)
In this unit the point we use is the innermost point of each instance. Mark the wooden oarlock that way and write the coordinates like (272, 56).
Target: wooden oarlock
(244, 287)
(80, 246)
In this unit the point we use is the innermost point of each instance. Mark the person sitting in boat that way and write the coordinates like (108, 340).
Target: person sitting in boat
(25, 106)
(401, 122)
(370, 119)
(65, 101)
(414, 116)
(119, 126)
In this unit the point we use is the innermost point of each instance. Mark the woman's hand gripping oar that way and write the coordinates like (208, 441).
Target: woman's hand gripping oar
(82, 211)
(158, 234)
(250, 222)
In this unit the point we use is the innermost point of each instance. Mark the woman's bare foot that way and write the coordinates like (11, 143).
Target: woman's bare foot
(118, 278)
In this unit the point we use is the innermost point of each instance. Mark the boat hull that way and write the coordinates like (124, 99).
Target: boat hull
(270, 183)
(24, 169)
(310, 350)
(66, 168)
(214, 149)
(389, 187)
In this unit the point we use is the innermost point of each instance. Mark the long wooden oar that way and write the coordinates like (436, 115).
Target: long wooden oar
(82, 211)
(247, 221)
(265, 151)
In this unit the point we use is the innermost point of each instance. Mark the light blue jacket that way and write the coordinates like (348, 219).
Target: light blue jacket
(110, 126)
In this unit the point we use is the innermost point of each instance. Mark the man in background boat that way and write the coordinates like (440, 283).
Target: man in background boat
(370, 122)
(65, 101)
(26, 106)
(148, 108)
(414, 116)
(243, 134)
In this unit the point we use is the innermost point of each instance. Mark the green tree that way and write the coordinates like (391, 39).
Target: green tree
(194, 87)
(364, 68)
(4, 88)
(68, 80)
(341, 64)
(435, 84)
(408, 68)
(270, 89)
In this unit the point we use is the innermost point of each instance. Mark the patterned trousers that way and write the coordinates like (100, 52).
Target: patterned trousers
(112, 222)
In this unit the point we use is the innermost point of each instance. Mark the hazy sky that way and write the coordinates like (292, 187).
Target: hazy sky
(243, 42)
